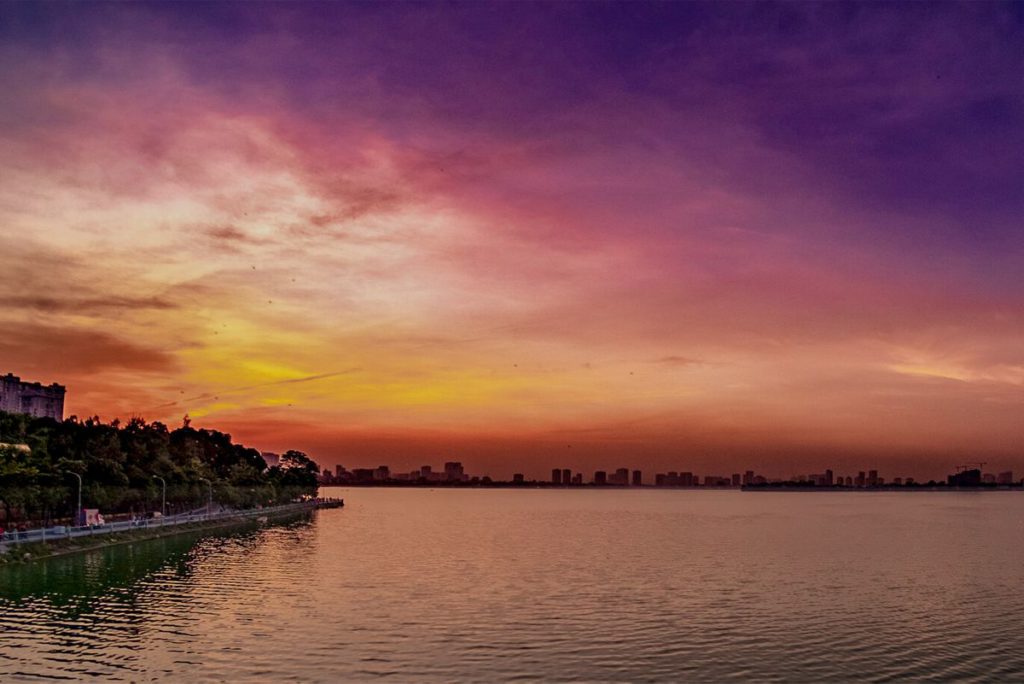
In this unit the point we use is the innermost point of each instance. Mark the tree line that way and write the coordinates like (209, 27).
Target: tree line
(120, 463)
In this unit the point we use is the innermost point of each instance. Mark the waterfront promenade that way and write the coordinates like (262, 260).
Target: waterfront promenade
(62, 532)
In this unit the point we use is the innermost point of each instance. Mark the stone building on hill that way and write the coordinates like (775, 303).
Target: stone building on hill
(32, 398)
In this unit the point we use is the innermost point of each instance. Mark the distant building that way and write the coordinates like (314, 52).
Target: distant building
(362, 475)
(382, 473)
(556, 476)
(31, 398)
(453, 471)
(566, 476)
(872, 478)
(735, 479)
(518, 478)
(965, 478)
(577, 479)
(1005, 478)
(425, 472)
(620, 477)
(600, 477)
(638, 478)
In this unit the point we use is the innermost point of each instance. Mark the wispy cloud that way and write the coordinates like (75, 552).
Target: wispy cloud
(248, 388)
(81, 305)
(808, 211)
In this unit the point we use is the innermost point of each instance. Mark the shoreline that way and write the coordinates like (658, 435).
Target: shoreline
(42, 550)
(781, 487)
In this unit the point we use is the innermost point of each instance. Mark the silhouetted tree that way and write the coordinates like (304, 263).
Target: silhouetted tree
(118, 464)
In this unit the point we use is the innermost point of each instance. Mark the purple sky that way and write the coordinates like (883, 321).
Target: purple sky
(690, 235)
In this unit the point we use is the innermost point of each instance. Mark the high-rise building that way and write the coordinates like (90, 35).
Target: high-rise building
(748, 477)
(735, 479)
(638, 478)
(518, 478)
(566, 476)
(966, 478)
(32, 398)
(829, 478)
(381, 473)
(872, 478)
(362, 474)
(556, 476)
(425, 472)
(600, 477)
(620, 477)
(453, 470)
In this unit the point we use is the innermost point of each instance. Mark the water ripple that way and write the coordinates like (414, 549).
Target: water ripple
(553, 586)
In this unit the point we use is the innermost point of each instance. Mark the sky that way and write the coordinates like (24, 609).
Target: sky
(704, 237)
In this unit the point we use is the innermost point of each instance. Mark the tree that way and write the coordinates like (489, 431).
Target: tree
(118, 464)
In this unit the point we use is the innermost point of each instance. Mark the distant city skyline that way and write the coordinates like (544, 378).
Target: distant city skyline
(712, 235)
(47, 401)
(455, 473)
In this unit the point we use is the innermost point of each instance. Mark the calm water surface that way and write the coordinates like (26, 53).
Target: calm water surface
(418, 585)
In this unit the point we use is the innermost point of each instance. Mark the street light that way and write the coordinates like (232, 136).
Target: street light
(209, 499)
(78, 511)
(163, 503)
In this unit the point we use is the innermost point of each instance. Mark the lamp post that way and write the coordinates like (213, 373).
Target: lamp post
(163, 502)
(78, 511)
(209, 498)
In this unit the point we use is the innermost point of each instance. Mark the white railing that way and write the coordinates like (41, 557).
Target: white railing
(44, 534)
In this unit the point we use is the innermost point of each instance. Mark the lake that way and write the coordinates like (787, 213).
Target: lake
(554, 585)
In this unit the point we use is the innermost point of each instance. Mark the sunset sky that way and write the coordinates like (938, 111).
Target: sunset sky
(667, 236)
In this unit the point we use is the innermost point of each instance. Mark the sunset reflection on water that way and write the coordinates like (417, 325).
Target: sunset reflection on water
(556, 585)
